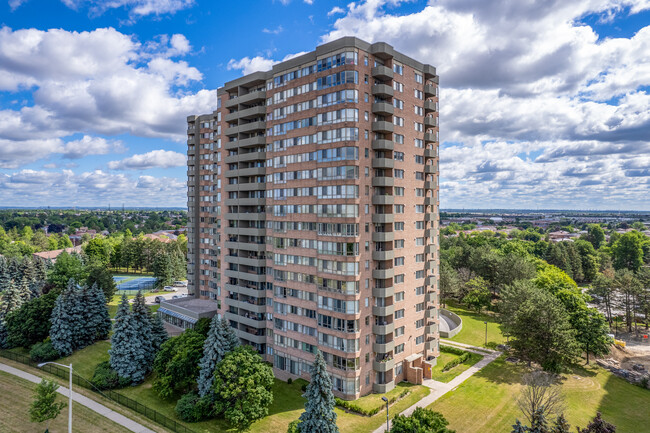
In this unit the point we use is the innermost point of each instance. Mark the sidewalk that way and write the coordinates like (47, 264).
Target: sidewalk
(83, 400)
(440, 388)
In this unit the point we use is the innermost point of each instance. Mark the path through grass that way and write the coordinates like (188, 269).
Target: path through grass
(473, 331)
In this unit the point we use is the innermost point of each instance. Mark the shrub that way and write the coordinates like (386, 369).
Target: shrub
(352, 407)
(42, 352)
(454, 362)
(105, 377)
(293, 426)
(289, 381)
(303, 388)
(192, 408)
(449, 349)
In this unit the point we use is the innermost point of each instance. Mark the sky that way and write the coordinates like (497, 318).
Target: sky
(543, 104)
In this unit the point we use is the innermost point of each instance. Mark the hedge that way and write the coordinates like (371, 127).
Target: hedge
(349, 405)
(449, 349)
(457, 361)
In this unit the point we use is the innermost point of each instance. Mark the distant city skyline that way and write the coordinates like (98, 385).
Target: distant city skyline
(543, 104)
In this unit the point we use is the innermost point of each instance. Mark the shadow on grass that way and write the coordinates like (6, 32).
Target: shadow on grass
(502, 372)
(625, 405)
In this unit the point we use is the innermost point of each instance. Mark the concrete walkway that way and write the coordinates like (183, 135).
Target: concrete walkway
(438, 389)
(83, 400)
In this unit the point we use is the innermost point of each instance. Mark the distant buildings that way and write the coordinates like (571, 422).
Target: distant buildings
(52, 255)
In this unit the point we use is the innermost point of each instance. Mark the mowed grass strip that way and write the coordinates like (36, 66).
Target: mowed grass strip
(473, 331)
(447, 376)
(14, 412)
(486, 402)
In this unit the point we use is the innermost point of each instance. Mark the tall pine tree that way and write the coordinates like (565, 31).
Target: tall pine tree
(100, 320)
(319, 415)
(142, 321)
(127, 357)
(63, 330)
(220, 341)
(158, 333)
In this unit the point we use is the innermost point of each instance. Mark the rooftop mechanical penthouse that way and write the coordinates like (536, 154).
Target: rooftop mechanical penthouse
(313, 205)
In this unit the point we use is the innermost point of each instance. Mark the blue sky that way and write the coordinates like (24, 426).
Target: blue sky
(544, 104)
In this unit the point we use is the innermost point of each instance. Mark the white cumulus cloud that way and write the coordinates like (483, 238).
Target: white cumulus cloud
(153, 159)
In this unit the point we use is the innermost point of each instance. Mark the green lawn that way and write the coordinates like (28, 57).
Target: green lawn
(486, 402)
(439, 375)
(371, 401)
(473, 331)
(14, 415)
(85, 360)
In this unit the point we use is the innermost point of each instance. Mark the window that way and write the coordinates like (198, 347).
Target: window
(419, 159)
(418, 77)
(365, 79)
(419, 192)
(366, 97)
(399, 278)
(365, 62)
(399, 261)
(419, 241)
(399, 331)
(419, 208)
(399, 191)
(399, 208)
(419, 143)
(399, 243)
(419, 323)
(419, 339)
(367, 209)
(366, 134)
(399, 348)
(419, 175)
(419, 258)
(399, 226)
(419, 275)
(419, 110)
(366, 152)
(399, 156)
(399, 174)
(399, 296)
(398, 86)
(399, 368)
(399, 314)
(419, 225)
(367, 171)
(419, 290)
(418, 94)
(418, 126)
(399, 139)
(398, 69)
(367, 264)
(398, 103)
(419, 307)
(366, 116)
(399, 121)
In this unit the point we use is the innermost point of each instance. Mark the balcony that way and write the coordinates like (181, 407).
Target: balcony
(382, 126)
(245, 261)
(430, 249)
(430, 122)
(429, 216)
(383, 329)
(252, 126)
(383, 366)
(383, 163)
(383, 388)
(248, 246)
(383, 199)
(430, 137)
(245, 276)
(383, 255)
(255, 96)
(430, 107)
(382, 72)
(383, 292)
(256, 141)
(432, 298)
(246, 306)
(247, 216)
(382, 145)
(379, 218)
(383, 347)
(258, 111)
(383, 181)
(431, 313)
(431, 153)
(430, 91)
(430, 184)
(383, 236)
(383, 274)
(383, 108)
(243, 157)
(429, 169)
(382, 90)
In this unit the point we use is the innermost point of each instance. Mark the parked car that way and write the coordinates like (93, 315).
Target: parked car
(170, 289)
(175, 297)
(180, 283)
(159, 299)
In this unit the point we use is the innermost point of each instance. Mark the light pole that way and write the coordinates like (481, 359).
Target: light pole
(485, 333)
(387, 419)
(69, 391)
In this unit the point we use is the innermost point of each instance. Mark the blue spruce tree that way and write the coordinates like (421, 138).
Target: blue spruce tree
(142, 321)
(100, 320)
(126, 355)
(220, 341)
(158, 332)
(62, 332)
(319, 415)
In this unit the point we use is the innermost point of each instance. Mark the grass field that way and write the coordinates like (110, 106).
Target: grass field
(473, 331)
(486, 402)
(437, 373)
(14, 417)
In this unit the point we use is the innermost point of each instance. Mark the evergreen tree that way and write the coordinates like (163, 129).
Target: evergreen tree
(158, 333)
(127, 357)
(598, 425)
(100, 319)
(517, 427)
(62, 330)
(319, 415)
(142, 321)
(10, 301)
(539, 424)
(220, 341)
(81, 316)
(561, 425)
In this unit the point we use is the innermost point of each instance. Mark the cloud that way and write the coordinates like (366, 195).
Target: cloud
(335, 10)
(90, 188)
(136, 8)
(258, 63)
(153, 159)
(88, 145)
(309, 2)
(275, 31)
(101, 82)
(15, 4)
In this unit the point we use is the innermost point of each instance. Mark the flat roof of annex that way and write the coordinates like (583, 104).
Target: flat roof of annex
(379, 49)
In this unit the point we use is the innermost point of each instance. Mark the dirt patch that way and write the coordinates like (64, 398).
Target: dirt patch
(630, 356)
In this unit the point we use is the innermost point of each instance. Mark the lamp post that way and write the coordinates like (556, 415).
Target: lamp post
(69, 391)
(485, 333)
(387, 419)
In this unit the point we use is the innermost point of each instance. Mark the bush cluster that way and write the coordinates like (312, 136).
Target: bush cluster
(43, 352)
(454, 362)
(107, 378)
(352, 407)
(192, 408)
(449, 349)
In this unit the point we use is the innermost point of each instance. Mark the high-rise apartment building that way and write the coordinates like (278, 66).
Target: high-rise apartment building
(313, 207)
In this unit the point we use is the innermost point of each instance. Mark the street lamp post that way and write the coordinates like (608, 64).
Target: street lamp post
(387, 419)
(485, 333)
(69, 391)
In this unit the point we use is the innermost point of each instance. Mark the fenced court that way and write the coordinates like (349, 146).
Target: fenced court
(131, 285)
